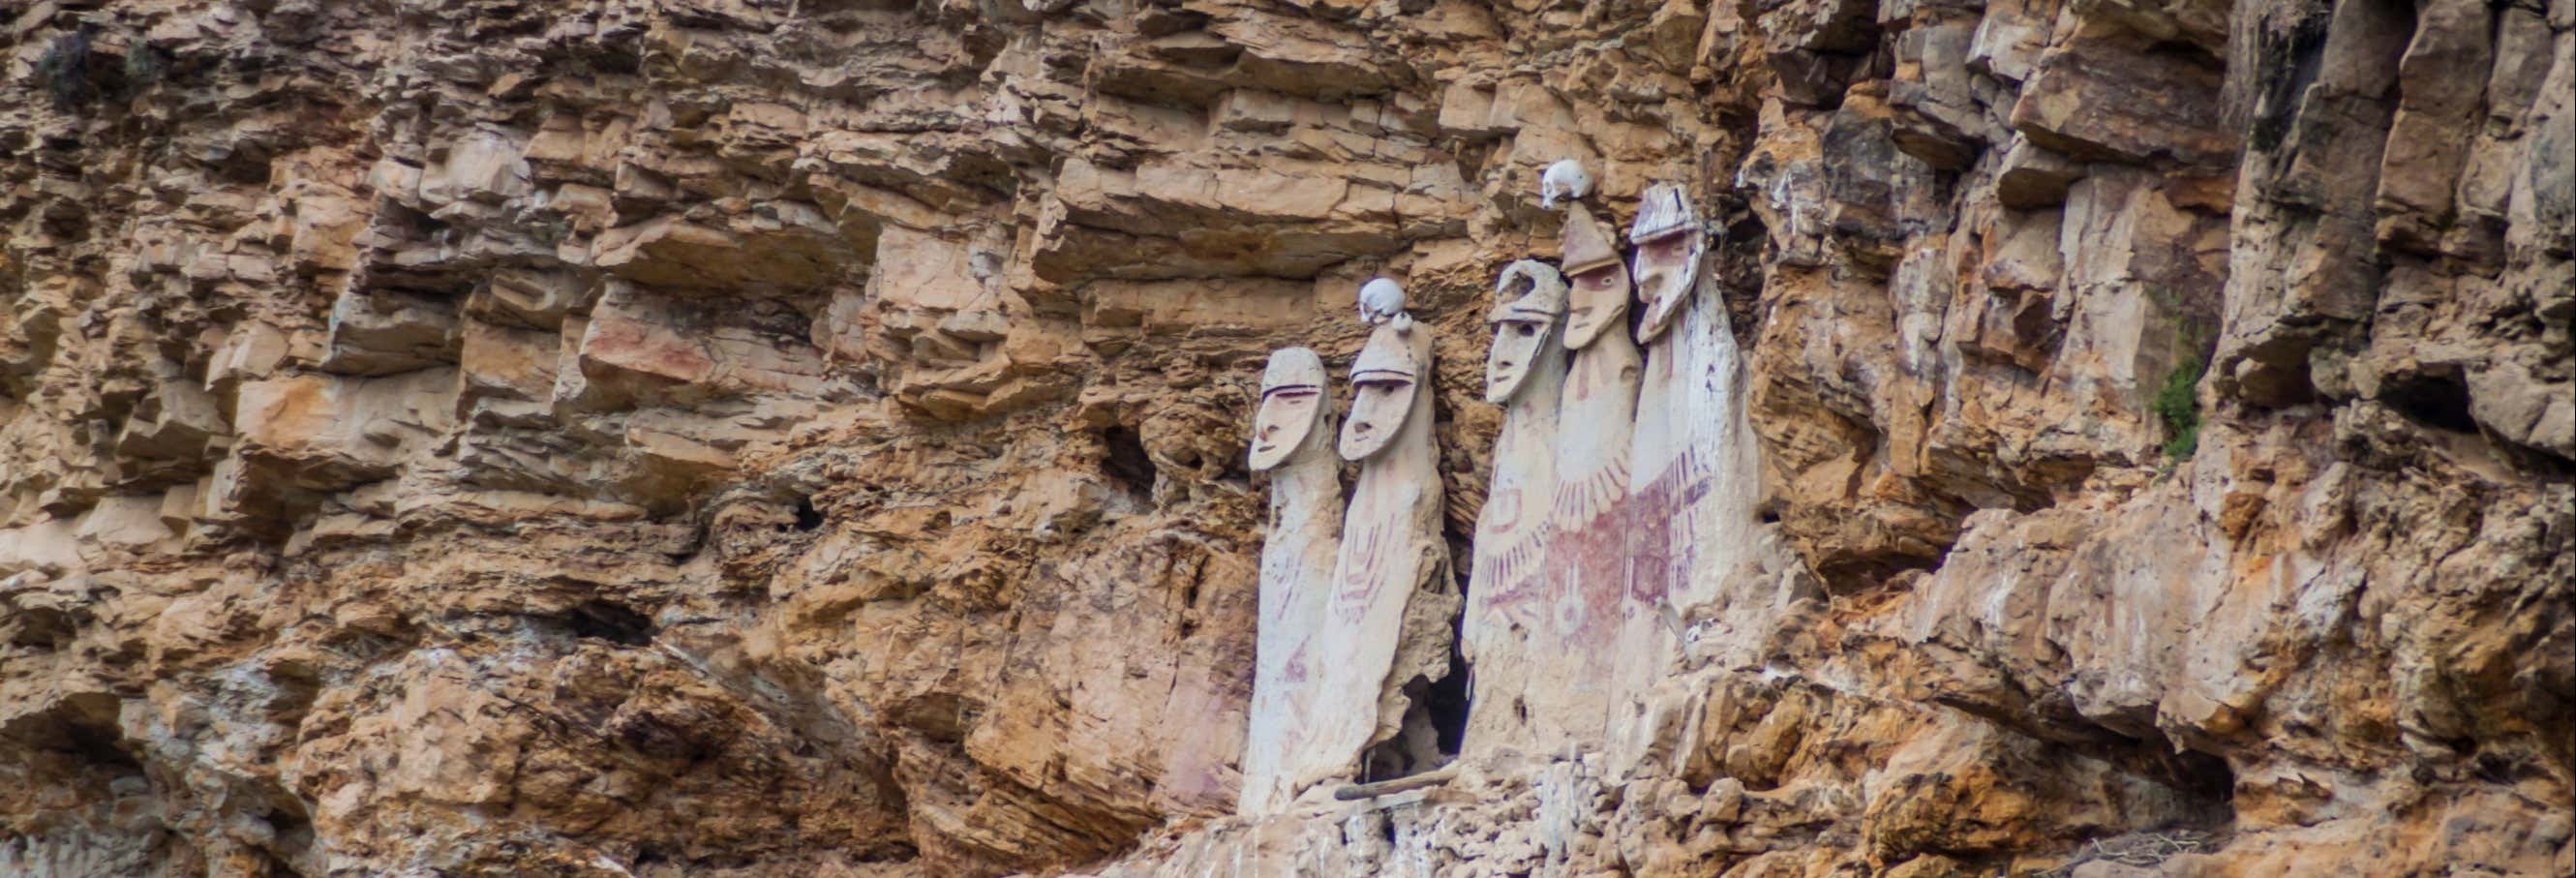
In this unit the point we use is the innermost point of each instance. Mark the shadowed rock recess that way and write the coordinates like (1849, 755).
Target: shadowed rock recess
(807, 437)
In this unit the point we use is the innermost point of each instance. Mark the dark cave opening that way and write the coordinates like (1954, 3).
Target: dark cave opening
(2208, 777)
(807, 517)
(1445, 702)
(2437, 401)
(2208, 786)
(83, 731)
(2205, 780)
(616, 623)
(290, 827)
(44, 628)
(1435, 723)
(100, 745)
(1127, 462)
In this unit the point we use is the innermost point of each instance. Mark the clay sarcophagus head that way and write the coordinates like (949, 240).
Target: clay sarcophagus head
(1293, 404)
(1598, 300)
(1529, 298)
(1383, 381)
(1669, 244)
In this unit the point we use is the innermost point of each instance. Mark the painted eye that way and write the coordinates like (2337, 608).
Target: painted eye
(1527, 330)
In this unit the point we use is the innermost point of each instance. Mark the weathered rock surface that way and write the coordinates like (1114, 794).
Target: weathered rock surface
(749, 437)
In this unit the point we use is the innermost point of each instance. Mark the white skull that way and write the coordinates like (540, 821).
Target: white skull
(1564, 180)
(1381, 300)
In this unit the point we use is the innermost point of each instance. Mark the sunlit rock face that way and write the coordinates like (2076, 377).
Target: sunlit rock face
(742, 437)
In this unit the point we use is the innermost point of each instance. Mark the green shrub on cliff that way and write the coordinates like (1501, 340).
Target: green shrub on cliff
(2179, 405)
(144, 66)
(64, 69)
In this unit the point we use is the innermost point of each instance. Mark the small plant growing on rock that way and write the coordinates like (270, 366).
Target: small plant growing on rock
(2178, 405)
(64, 69)
(145, 66)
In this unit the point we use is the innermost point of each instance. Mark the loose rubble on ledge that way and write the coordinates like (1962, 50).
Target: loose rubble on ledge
(815, 437)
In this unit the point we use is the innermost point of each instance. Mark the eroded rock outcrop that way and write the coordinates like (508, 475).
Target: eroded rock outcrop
(731, 437)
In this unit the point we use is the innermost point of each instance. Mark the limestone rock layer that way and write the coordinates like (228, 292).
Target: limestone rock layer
(759, 437)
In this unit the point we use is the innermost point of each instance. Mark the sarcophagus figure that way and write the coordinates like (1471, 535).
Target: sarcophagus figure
(1508, 638)
(1292, 436)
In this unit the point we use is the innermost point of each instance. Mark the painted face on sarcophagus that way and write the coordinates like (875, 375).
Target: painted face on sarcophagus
(1292, 405)
(1598, 300)
(1529, 298)
(1383, 381)
(1669, 246)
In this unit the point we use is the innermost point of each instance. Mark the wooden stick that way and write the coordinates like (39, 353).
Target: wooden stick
(1432, 778)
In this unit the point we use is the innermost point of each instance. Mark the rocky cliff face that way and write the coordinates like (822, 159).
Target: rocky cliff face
(750, 437)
